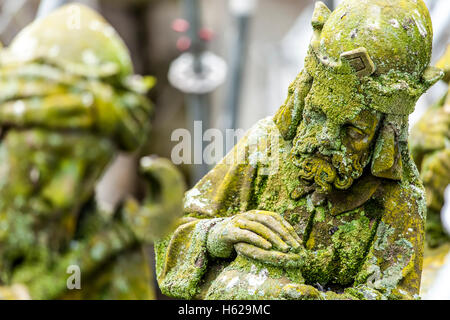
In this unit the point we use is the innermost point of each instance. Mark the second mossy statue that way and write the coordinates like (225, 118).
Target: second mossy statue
(431, 152)
(68, 103)
(321, 201)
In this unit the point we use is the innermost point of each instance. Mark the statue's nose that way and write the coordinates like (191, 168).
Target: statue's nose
(325, 140)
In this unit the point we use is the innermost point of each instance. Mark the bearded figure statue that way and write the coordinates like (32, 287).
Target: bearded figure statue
(321, 201)
(431, 152)
(69, 102)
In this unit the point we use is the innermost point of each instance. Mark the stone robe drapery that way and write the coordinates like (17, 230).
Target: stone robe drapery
(363, 243)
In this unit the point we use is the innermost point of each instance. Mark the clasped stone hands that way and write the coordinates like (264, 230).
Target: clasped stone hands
(261, 235)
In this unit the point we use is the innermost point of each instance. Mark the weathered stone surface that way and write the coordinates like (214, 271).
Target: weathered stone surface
(322, 201)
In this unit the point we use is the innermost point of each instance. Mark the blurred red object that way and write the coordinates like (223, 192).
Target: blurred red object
(180, 25)
(206, 34)
(184, 43)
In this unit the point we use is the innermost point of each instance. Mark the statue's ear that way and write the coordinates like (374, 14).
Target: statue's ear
(430, 76)
(360, 61)
(387, 160)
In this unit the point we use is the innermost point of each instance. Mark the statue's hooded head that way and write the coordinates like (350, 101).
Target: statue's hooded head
(56, 68)
(367, 65)
(75, 37)
(74, 47)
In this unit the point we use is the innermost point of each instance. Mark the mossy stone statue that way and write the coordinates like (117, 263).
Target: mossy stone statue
(69, 103)
(321, 201)
(431, 152)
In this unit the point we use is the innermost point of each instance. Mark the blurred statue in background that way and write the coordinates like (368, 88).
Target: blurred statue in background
(68, 103)
(323, 200)
(431, 151)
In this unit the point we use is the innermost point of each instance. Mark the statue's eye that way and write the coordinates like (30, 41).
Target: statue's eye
(313, 114)
(355, 133)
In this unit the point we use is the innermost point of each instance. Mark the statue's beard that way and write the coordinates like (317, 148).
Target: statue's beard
(339, 170)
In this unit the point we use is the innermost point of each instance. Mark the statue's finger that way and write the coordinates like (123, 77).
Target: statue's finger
(237, 235)
(294, 239)
(277, 226)
(288, 234)
(275, 258)
(286, 224)
(264, 232)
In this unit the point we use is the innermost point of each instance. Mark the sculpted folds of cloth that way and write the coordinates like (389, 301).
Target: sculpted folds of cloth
(321, 201)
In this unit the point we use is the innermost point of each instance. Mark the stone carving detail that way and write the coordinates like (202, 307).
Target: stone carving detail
(322, 201)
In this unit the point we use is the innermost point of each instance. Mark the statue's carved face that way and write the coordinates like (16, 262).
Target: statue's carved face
(334, 139)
